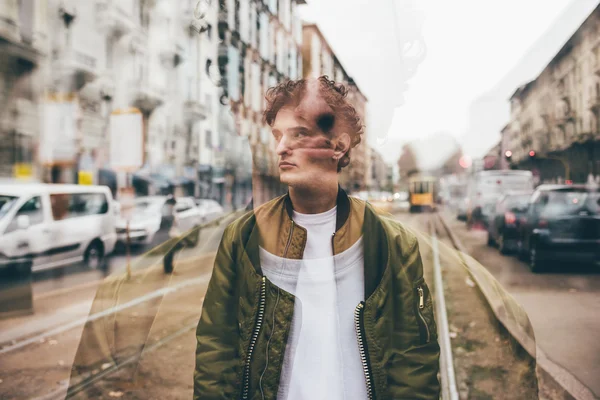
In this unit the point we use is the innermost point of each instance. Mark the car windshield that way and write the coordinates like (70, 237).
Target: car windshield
(517, 202)
(6, 203)
(569, 202)
(147, 206)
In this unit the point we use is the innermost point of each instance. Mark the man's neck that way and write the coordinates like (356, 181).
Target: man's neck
(313, 201)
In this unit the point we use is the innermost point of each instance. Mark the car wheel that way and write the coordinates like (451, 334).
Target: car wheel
(534, 258)
(94, 255)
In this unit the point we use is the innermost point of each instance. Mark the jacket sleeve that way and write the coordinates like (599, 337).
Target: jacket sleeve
(217, 358)
(415, 349)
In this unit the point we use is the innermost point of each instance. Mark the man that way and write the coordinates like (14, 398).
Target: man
(313, 294)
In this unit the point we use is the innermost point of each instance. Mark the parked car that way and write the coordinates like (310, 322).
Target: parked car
(562, 224)
(153, 217)
(486, 187)
(503, 227)
(209, 208)
(56, 225)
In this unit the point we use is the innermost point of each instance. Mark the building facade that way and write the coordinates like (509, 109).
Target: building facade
(554, 126)
(379, 172)
(260, 44)
(82, 66)
(24, 46)
(319, 59)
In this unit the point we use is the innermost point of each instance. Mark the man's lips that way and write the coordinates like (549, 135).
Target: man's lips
(286, 164)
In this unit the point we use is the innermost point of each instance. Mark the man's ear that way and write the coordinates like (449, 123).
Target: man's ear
(341, 145)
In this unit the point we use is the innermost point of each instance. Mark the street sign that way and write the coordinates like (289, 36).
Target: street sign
(126, 140)
(85, 177)
(59, 127)
(23, 171)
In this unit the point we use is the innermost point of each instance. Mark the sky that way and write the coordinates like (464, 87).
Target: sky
(422, 63)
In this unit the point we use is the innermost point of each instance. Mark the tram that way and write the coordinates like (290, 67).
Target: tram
(423, 191)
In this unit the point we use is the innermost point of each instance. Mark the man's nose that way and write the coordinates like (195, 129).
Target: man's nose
(283, 146)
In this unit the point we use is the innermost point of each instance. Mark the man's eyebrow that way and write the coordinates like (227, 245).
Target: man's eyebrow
(299, 128)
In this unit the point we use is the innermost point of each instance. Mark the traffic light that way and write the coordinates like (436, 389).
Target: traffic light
(531, 153)
(508, 154)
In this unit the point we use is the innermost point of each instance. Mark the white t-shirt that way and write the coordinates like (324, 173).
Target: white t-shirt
(322, 360)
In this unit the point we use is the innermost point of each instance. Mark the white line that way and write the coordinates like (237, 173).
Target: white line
(449, 390)
(93, 317)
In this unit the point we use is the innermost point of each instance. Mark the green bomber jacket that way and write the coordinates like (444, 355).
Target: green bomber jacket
(396, 330)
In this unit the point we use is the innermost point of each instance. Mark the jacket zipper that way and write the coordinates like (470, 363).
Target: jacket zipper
(332, 246)
(421, 307)
(261, 311)
(259, 321)
(362, 341)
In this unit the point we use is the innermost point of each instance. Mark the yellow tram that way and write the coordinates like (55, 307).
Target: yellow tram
(422, 191)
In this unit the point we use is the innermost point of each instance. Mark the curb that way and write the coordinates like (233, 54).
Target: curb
(554, 382)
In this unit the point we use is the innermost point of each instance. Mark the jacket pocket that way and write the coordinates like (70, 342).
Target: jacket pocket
(423, 307)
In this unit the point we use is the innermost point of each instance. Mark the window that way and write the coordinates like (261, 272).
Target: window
(7, 203)
(74, 205)
(109, 51)
(208, 139)
(33, 209)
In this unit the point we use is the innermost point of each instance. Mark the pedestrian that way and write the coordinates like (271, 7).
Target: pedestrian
(314, 295)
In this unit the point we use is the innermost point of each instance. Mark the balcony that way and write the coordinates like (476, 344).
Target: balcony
(146, 96)
(76, 65)
(194, 111)
(113, 19)
(172, 54)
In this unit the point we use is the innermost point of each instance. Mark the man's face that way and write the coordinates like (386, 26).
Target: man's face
(310, 141)
(305, 153)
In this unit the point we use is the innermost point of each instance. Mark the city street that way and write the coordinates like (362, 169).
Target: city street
(563, 304)
(152, 321)
(39, 349)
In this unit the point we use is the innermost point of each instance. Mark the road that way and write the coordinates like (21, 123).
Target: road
(63, 299)
(563, 304)
(161, 312)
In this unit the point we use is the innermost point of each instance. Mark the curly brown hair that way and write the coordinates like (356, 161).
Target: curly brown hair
(292, 92)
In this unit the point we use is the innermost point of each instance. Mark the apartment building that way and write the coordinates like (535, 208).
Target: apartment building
(259, 46)
(556, 116)
(319, 59)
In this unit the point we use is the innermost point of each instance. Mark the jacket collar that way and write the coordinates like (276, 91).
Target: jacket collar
(375, 241)
(343, 207)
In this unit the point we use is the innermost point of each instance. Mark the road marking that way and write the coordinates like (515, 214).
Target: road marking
(93, 317)
(449, 389)
(58, 292)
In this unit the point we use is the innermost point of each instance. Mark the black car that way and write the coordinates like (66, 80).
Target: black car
(562, 224)
(503, 223)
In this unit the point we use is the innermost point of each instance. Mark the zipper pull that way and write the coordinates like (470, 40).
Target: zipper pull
(421, 298)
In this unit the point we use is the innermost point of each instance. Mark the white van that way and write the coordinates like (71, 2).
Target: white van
(56, 224)
(486, 187)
